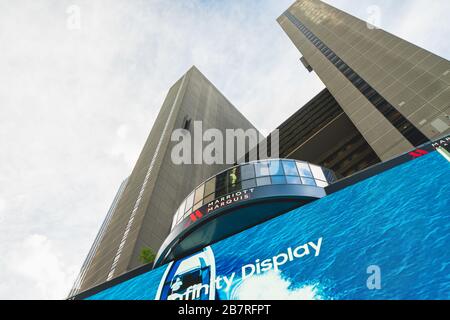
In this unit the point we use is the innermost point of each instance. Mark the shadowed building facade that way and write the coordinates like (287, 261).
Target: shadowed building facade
(394, 92)
(141, 214)
(321, 133)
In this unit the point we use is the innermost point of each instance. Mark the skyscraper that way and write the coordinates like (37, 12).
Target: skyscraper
(395, 93)
(141, 214)
(384, 97)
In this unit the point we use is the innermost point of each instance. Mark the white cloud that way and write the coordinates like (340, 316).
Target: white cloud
(41, 268)
(122, 148)
(272, 286)
(76, 106)
(2, 208)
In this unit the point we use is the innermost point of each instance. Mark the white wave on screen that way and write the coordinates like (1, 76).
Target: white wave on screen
(272, 286)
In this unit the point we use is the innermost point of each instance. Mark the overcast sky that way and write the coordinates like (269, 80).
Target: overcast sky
(76, 105)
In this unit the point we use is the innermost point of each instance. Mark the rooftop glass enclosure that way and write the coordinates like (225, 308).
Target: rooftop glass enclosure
(250, 175)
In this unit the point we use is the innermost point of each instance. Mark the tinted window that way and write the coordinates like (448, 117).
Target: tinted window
(308, 181)
(262, 169)
(199, 193)
(275, 168)
(221, 183)
(189, 202)
(247, 172)
(318, 173)
(210, 186)
(278, 180)
(263, 181)
(248, 184)
(293, 180)
(290, 168)
(303, 169)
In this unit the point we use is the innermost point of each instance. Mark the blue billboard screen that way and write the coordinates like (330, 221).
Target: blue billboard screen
(386, 237)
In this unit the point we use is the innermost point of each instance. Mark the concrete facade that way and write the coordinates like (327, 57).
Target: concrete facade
(403, 99)
(143, 214)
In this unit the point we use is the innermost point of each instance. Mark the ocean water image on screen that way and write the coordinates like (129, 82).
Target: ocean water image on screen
(396, 223)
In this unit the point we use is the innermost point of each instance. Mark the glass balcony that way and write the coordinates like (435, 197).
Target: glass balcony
(252, 175)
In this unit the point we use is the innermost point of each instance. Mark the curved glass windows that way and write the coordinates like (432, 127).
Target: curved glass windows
(189, 203)
(317, 173)
(210, 186)
(264, 181)
(199, 194)
(181, 209)
(196, 206)
(278, 180)
(262, 169)
(275, 168)
(308, 181)
(321, 184)
(209, 198)
(247, 171)
(247, 184)
(290, 168)
(251, 175)
(176, 218)
(303, 169)
(293, 180)
(221, 184)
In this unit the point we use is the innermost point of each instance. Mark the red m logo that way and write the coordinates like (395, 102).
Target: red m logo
(418, 153)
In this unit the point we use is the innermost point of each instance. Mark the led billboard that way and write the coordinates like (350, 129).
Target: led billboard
(385, 237)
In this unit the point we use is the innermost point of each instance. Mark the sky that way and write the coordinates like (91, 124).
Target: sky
(78, 98)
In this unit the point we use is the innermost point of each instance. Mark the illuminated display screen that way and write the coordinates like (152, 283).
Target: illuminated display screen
(386, 237)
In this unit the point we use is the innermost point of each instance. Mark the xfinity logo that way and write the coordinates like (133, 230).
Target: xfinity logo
(256, 268)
